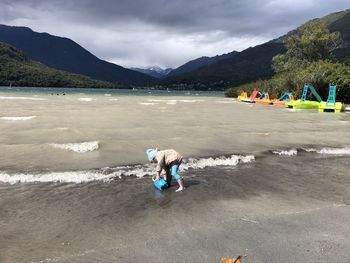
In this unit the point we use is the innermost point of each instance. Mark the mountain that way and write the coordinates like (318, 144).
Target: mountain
(155, 72)
(17, 70)
(160, 73)
(253, 63)
(340, 21)
(246, 66)
(64, 54)
(200, 62)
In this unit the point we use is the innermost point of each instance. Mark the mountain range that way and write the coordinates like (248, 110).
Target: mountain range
(155, 71)
(17, 70)
(253, 63)
(200, 62)
(194, 64)
(218, 72)
(65, 54)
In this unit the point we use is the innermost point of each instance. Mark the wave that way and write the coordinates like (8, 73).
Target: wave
(294, 110)
(62, 177)
(18, 118)
(172, 102)
(20, 98)
(148, 103)
(323, 151)
(77, 147)
(108, 174)
(201, 163)
(86, 99)
(330, 151)
(191, 101)
(290, 152)
(160, 100)
(226, 101)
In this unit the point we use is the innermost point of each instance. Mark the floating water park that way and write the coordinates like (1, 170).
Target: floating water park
(263, 99)
(287, 99)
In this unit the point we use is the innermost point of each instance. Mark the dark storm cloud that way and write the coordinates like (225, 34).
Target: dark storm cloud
(236, 16)
(169, 32)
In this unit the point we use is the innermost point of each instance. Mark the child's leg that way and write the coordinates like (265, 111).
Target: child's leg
(177, 177)
(168, 176)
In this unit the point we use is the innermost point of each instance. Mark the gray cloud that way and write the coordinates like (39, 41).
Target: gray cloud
(163, 32)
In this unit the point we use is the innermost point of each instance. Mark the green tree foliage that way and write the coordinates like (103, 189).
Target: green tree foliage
(311, 42)
(309, 59)
(232, 93)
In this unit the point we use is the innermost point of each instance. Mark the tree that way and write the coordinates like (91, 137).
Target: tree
(311, 42)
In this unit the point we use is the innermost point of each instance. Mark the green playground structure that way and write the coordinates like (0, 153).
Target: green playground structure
(303, 103)
(331, 104)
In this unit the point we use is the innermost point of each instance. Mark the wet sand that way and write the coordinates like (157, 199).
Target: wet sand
(276, 209)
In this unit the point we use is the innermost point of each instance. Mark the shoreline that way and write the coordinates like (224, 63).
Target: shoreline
(284, 216)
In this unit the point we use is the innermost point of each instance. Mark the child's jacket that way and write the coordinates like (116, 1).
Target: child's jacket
(166, 158)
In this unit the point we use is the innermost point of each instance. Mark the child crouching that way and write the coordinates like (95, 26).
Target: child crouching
(168, 160)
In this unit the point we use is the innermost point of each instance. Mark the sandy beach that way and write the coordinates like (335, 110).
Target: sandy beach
(289, 215)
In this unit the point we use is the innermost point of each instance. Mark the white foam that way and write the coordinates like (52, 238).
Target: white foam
(309, 150)
(233, 160)
(291, 152)
(347, 108)
(169, 102)
(330, 151)
(77, 147)
(334, 151)
(159, 100)
(86, 99)
(191, 101)
(107, 174)
(18, 118)
(148, 103)
(20, 98)
(108, 95)
(67, 177)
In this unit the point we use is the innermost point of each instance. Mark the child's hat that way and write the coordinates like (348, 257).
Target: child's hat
(151, 153)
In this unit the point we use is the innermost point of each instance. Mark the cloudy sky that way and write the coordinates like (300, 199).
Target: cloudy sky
(166, 33)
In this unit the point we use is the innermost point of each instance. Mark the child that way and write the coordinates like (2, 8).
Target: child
(168, 160)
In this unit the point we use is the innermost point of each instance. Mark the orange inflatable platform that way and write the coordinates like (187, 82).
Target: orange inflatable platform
(281, 101)
(264, 99)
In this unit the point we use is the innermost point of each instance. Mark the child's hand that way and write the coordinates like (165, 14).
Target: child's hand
(157, 177)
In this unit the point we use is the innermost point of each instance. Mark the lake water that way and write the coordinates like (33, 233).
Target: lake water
(60, 147)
